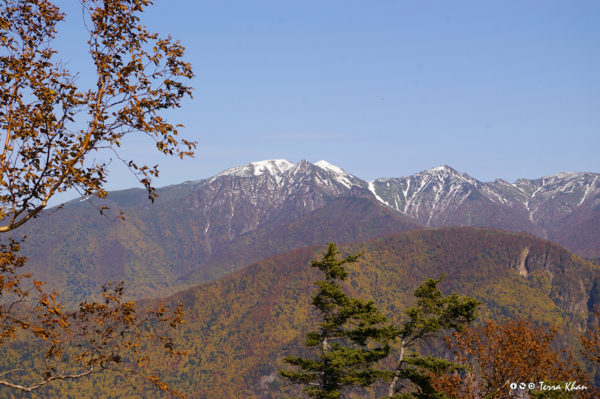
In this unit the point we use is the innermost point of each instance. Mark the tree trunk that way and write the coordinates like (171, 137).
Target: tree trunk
(394, 382)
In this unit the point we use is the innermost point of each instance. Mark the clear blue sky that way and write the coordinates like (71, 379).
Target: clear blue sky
(496, 89)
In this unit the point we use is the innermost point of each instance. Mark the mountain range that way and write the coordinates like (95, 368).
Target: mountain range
(199, 231)
(235, 249)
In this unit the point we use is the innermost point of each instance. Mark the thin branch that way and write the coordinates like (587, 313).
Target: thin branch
(46, 381)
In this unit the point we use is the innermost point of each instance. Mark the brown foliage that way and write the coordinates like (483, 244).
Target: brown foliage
(510, 352)
(591, 341)
(98, 336)
(137, 76)
(94, 338)
(43, 154)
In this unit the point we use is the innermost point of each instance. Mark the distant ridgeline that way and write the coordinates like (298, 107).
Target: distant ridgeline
(239, 327)
(201, 230)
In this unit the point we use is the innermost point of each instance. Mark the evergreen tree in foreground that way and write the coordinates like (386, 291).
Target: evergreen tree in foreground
(354, 336)
(434, 315)
(344, 359)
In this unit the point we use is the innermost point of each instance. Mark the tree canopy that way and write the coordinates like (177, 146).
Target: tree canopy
(47, 151)
(510, 358)
(138, 75)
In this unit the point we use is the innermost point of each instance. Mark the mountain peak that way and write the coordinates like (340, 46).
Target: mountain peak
(445, 171)
(332, 168)
(444, 168)
(340, 175)
(274, 167)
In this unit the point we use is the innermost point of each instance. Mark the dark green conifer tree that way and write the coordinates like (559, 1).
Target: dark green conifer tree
(354, 336)
(435, 314)
(345, 358)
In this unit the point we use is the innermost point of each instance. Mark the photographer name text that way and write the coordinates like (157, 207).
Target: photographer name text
(542, 386)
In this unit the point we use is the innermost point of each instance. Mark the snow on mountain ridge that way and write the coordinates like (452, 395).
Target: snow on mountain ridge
(340, 174)
(372, 189)
(285, 172)
(326, 165)
(441, 182)
(442, 167)
(444, 171)
(274, 167)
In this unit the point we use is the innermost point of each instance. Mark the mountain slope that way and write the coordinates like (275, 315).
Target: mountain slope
(357, 217)
(194, 228)
(166, 247)
(238, 328)
(548, 207)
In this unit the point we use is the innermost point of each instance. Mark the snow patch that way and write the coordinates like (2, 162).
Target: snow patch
(587, 190)
(340, 174)
(372, 189)
(273, 167)
(327, 166)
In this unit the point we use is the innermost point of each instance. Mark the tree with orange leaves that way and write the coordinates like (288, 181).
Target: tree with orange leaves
(138, 75)
(591, 342)
(505, 360)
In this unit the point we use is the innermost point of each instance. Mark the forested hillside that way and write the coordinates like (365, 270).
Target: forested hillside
(160, 248)
(240, 326)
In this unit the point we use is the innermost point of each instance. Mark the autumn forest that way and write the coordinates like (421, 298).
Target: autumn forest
(272, 279)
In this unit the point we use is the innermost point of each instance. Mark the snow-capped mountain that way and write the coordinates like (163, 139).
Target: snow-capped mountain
(273, 167)
(552, 198)
(437, 197)
(444, 197)
(441, 196)
(210, 227)
(254, 210)
(242, 198)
